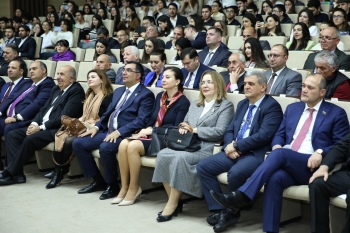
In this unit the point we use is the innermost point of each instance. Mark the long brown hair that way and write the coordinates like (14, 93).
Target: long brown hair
(106, 83)
(219, 84)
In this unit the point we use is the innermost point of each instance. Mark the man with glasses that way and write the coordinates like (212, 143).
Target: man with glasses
(175, 19)
(230, 16)
(315, 7)
(206, 16)
(309, 130)
(146, 22)
(234, 78)
(246, 141)
(103, 33)
(329, 39)
(281, 79)
(249, 32)
(121, 37)
(280, 11)
(129, 111)
(345, 5)
(193, 69)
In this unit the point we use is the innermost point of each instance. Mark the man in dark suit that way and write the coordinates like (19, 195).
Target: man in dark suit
(280, 11)
(281, 79)
(151, 31)
(10, 53)
(244, 147)
(230, 16)
(66, 98)
(193, 69)
(175, 19)
(26, 44)
(329, 40)
(214, 54)
(129, 111)
(323, 186)
(103, 33)
(251, 32)
(234, 78)
(178, 33)
(309, 129)
(197, 38)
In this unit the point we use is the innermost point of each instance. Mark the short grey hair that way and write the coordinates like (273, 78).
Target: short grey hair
(108, 58)
(72, 72)
(325, 56)
(241, 57)
(134, 50)
(259, 74)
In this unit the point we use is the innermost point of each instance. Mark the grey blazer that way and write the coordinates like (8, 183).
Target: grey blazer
(288, 82)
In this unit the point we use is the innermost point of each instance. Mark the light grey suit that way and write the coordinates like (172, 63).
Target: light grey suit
(178, 168)
(288, 82)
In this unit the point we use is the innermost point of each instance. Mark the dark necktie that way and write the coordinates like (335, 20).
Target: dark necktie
(269, 84)
(246, 124)
(116, 112)
(189, 80)
(7, 92)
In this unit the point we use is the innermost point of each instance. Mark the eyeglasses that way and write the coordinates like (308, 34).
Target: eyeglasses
(274, 55)
(275, 11)
(207, 82)
(326, 38)
(337, 16)
(129, 70)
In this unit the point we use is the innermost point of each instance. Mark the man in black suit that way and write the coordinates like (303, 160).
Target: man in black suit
(10, 53)
(330, 38)
(178, 33)
(206, 15)
(197, 38)
(65, 99)
(234, 78)
(175, 19)
(26, 44)
(315, 7)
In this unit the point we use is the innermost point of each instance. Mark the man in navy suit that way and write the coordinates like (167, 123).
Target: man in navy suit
(193, 69)
(308, 131)
(26, 44)
(129, 111)
(234, 78)
(197, 38)
(10, 53)
(215, 54)
(246, 141)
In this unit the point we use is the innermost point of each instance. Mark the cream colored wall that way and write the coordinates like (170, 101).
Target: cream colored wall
(5, 8)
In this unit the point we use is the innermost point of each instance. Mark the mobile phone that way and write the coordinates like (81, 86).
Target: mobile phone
(57, 29)
(140, 29)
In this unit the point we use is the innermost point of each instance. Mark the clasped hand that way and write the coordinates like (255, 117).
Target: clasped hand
(231, 152)
(314, 161)
(32, 129)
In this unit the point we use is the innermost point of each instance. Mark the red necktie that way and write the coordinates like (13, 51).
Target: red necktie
(302, 134)
(7, 93)
(228, 86)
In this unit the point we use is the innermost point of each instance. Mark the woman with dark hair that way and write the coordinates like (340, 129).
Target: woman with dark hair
(290, 7)
(100, 5)
(301, 38)
(63, 52)
(97, 98)
(306, 16)
(88, 10)
(101, 47)
(131, 21)
(324, 25)
(36, 20)
(169, 109)
(254, 55)
(273, 26)
(222, 26)
(54, 20)
(197, 22)
(340, 21)
(69, 17)
(72, 7)
(160, 9)
(248, 20)
(217, 10)
(115, 15)
(165, 25)
(190, 7)
(157, 60)
(266, 8)
(150, 45)
(92, 37)
(180, 45)
(65, 33)
(37, 30)
(102, 12)
(48, 33)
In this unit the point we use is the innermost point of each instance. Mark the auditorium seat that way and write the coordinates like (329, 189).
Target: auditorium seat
(298, 9)
(170, 53)
(79, 54)
(38, 41)
(51, 67)
(231, 30)
(75, 65)
(235, 42)
(76, 33)
(275, 39)
(89, 54)
(109, 24)
(304, 73)
(346, 41)
(286, 28)
(88, 19)
(297, 59)
(116, 53)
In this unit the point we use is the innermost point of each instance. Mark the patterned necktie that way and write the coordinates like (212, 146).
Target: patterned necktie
(19, 98)
(206, 62)
(189, 80)
(302, 134)
(116, 112)
(7, 92)
(269, 84)
(246, 124)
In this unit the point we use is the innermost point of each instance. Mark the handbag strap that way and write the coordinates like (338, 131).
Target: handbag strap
(69, 160)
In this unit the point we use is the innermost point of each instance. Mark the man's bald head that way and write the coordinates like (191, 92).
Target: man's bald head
(249, 32)
(103, 62)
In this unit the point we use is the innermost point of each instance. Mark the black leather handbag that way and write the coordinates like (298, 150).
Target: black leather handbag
(158, 141)
(182, 142)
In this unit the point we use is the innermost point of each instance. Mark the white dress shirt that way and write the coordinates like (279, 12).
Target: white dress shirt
(207, 107)
(193, 78)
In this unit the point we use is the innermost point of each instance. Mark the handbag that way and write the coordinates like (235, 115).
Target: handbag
(158, 141)
(182, 142)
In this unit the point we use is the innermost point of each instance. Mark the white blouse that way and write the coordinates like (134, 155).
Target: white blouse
(207, 107)
(46, 40)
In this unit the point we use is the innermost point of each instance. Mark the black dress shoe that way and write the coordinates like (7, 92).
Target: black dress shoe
(179, 208)
(165, 218)
(109, 193)
(56, 179)
(213, 219)
(50, 174)
(20, 179)
(7, 181)
(65, 170)
(228, 200)
(227, 219)
(93, 187)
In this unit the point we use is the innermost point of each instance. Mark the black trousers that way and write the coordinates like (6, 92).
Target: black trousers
(320, 192)
(20, 147)
(63, 156)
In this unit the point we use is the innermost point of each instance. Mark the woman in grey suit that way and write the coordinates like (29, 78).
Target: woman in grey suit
(208, 117)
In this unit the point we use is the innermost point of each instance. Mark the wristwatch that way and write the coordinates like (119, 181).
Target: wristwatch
(16, 117)
(319, 151)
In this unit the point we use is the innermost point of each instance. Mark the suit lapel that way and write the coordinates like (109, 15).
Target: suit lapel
(257, 113)
(208, 114)
(132, 97)
(240, 115)
(321, 115)
(279, 79)
(215, 55)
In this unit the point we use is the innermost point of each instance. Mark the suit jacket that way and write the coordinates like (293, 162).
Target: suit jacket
(264, 125)
(2, 82)
(28, 47)
(344, 61)
(340, 153)
(111, 75)
(288, 82)
(240, 82)
(200, 71)
(200, 42)
(149, 77)
(70, 104)
(168, 44)
(119, 76)
(34, 100)
(134, 114)
(219, 58)
(20, 87)
(265, 45)
(181, 20)
(141, 44)
(330, 126)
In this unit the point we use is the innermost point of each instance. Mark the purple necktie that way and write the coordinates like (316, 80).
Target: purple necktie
(19, 98)
(116, 112)
(189, 80)
(302, 134)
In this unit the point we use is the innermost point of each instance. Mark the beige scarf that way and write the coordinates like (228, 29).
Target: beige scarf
(91, 108)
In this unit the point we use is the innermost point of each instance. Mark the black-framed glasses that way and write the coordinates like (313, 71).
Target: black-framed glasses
(129, 70)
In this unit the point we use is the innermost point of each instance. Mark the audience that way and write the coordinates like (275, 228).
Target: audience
(9, 38)
(178, 33)
(64, 34)
(115, 15)
(190, 7)
(37, 30)
(323, 26)
(92, 36)
(121, 37)
(273, 27)
(145, 8)
(103, 33)
(254, 54)
(290, 7)
(131, 21)
(175, 18)
(198, 39)
(242, 5)
(103, 13)
(10, 54)
(250, 32)
(197, 22)
(88, 10)
(248, 20)
(223, 27)
(103, 62)
(26, 44)
(157, 62)
(230, 16)
(344, 4)
(340, 22)
(217, 10)
(151, 31)
(234, 77)
(150, 45)
(206, 16)
(315, 7)
(160, 9)
(253, 9)
(280, 11)
(180, 45)
(301, 38)
(306, 16)
(81, 24)
(165, 26)
(63, 52)
(267, 7)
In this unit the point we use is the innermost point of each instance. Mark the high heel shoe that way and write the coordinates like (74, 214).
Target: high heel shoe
(178, 207)
(137, 196)
(56, 179)
(117, 200)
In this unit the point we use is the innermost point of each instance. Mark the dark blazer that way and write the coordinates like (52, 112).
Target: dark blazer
(20, 87)
(199, 42)
(181, 20)
(28, 47)
(344, 60)
(148, 79)
(330, 126)
(263, 127)
(200, 71)
(288, 82)
(141, 44)
(175, 114)
(168, 44)
(240, 82)
(2, 82)
(3, 69)
(340, 153)
(219, 58)
(36, 99)
(70, 104)
(265, 45)
(134, 114)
